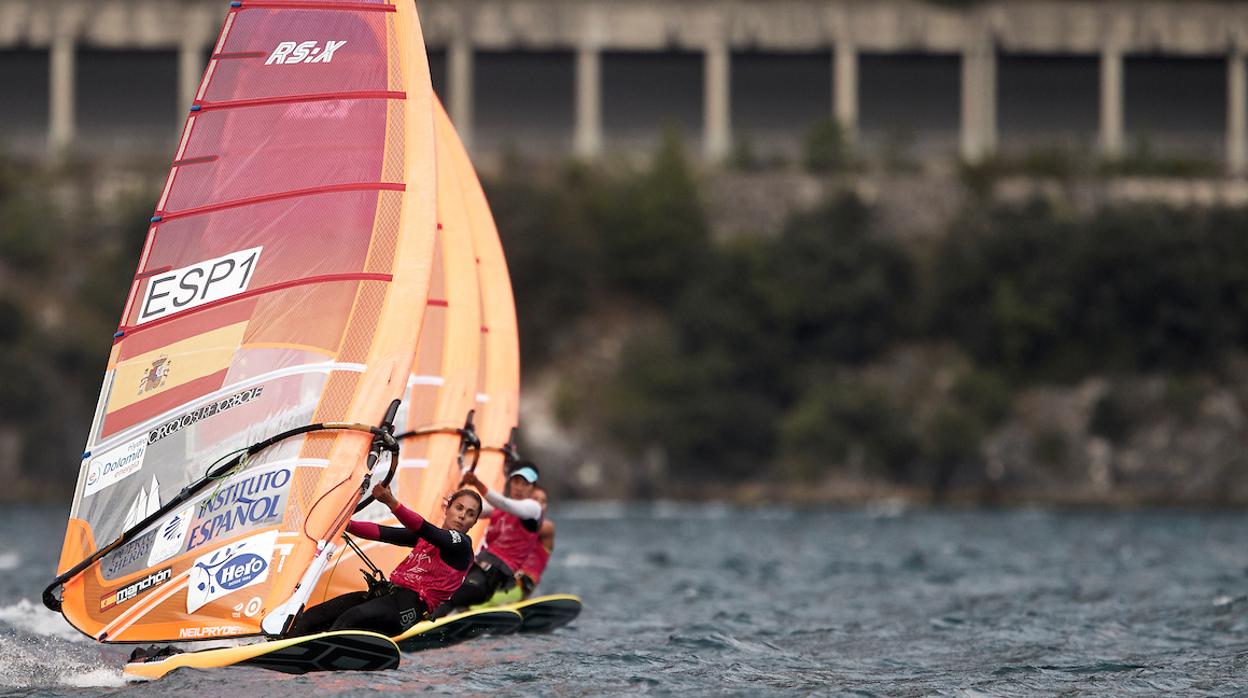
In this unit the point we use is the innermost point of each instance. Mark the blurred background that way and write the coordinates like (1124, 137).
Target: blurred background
(762, 250)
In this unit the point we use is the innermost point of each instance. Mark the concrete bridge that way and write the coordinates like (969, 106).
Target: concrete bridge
(581, 76)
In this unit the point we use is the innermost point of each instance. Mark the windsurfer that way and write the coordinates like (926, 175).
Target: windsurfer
(436, 567)
(530, 573)
(515, 525)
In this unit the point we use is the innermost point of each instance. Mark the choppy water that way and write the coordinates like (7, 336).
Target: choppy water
(707, 600)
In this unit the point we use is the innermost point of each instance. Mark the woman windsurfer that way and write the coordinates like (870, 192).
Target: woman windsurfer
(515, 525)
(530, 573)
(435, 568)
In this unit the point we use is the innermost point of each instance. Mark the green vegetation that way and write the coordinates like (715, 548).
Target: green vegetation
(65, 264)
(827, 148)
(776, 356)
(755, 357)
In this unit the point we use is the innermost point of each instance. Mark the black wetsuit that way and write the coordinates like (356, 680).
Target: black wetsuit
(392, 609)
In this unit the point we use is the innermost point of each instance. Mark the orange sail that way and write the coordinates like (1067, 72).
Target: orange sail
(469, 334)
(277, 306)
(498, 393)
(442, 389)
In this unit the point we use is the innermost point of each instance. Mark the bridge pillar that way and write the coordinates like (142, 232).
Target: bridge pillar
(845, 88)
(1236, 116)
(979, 99)
(1111, 102)
(61, 92)
(588, 137)
(459, 74)
(190, 73)
(717, 99)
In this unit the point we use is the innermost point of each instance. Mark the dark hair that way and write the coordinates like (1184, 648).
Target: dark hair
(466, 492)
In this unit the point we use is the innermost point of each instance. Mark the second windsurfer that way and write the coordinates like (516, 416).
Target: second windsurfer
(515, 528)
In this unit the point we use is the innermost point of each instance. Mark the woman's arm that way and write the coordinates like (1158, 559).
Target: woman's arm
(547, 535)
(454, 547)
(386, 534)
(405, 536)
(525, 509)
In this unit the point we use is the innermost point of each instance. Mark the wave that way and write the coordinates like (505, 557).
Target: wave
(34, 618)
(38, 655)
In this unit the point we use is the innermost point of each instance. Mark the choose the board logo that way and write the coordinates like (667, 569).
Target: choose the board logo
(127, 593)
(290, 52)
(211, 280)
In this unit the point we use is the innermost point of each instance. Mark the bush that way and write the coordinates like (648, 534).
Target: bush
(835, 417)
(986, 393)
(653, 229)
(1146, 288)
(826, 149)
(695, 406)
(834, 290)
(553, 260)
(1114, 416)
(1050, 447)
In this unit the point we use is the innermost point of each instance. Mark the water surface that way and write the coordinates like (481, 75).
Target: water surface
(711, 600)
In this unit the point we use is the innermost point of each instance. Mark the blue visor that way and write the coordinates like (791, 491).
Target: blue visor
(526, 473)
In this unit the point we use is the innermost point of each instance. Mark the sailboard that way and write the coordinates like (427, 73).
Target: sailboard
(543, 614)
(344, 650)
(456, 628)
(269, 332)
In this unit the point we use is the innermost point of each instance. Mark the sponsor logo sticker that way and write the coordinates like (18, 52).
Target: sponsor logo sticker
(244, 504)
(199, 414)
(129, 557)
(211, 631)
(128, 593)
(204, 282)
(252, 606)
(170, 536)
(236, 566)
(291, 52)
(115, 465)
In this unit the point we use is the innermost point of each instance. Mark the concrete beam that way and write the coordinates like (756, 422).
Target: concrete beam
(1161, 27)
